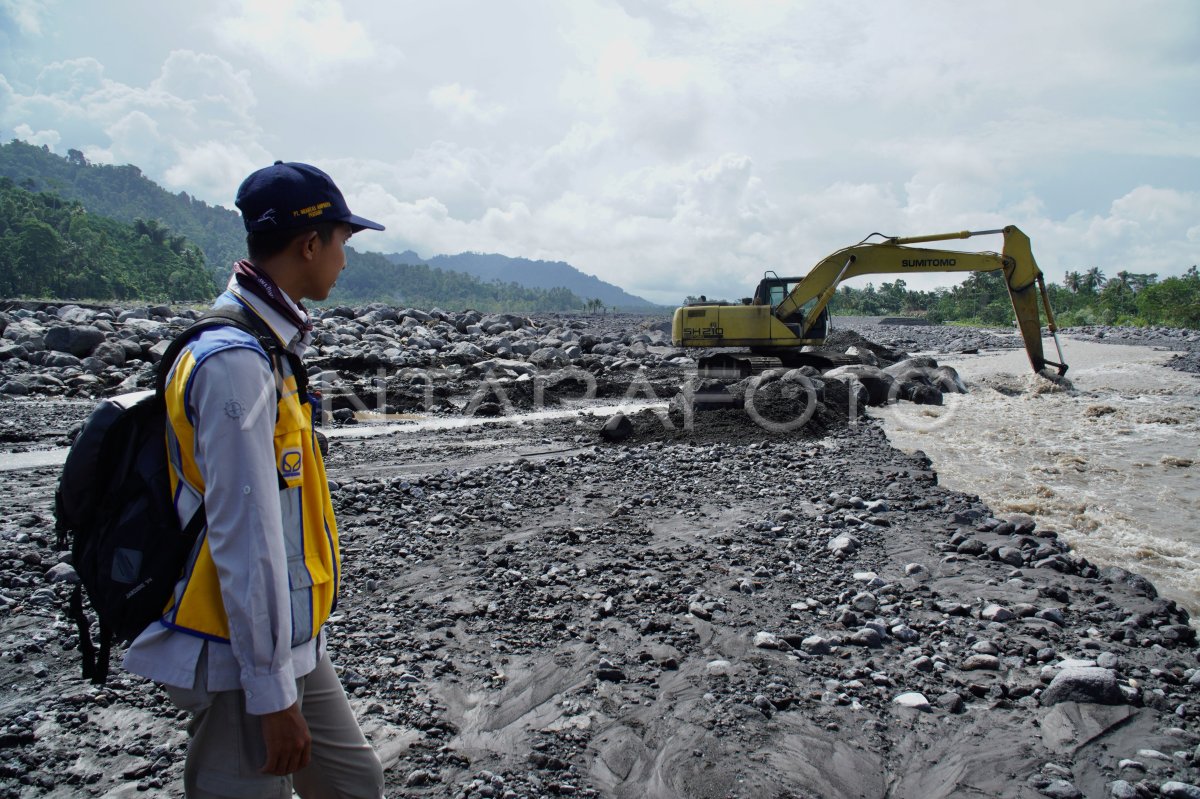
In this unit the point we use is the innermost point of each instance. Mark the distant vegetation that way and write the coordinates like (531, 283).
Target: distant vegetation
(1085, 298)
(50, 247)
(370, 275)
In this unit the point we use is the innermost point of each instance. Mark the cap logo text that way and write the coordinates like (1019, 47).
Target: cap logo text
(313, 211)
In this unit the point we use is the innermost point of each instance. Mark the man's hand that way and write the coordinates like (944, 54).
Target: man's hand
(289, 745)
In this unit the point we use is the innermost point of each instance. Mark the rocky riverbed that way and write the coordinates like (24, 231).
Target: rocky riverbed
(773, 603)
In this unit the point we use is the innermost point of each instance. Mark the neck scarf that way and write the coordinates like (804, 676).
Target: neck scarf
(260, 284)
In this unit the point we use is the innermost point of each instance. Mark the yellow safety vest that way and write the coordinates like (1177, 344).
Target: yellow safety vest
(309, 528)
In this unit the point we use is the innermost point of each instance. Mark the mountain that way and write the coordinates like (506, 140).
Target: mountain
(534, 274)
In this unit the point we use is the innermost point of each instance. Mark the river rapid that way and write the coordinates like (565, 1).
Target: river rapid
(1111, 462)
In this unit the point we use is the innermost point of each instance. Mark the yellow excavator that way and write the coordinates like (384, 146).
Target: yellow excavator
(787, 319)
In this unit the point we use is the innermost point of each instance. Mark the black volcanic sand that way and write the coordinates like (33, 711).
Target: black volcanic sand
(529, 611)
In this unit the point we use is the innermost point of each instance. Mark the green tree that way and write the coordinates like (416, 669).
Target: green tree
(1174, 301)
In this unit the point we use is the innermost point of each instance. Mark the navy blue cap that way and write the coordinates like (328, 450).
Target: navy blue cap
(287, 196)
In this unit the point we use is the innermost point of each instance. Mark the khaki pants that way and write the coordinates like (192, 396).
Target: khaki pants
(226, 751)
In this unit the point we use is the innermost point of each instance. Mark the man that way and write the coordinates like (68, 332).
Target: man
(240, 644)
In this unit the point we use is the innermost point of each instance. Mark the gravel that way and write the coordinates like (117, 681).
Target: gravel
(706, 606)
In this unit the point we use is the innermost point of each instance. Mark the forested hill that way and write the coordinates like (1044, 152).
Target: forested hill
(536, 274)
(50, 247)
(369, 275)
(123, 193)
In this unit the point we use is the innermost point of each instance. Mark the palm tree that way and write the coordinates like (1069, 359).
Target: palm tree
(1093, 279)
(1073, 280)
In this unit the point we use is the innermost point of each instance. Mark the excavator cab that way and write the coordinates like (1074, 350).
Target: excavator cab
(773, 290)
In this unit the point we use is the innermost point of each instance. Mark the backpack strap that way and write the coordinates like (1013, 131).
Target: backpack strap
(239, 317)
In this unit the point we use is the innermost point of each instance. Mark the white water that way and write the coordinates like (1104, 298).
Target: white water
(1113, 465)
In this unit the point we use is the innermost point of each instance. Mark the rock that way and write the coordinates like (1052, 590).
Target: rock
(78, 340)
(1061, 789)
(1010, 555)
(981, 663)
(1115, 574)
(617, 428)
(947, 379)
(912, 699)
(606, 671)
(1053, 615)
(156, 351)
(60, 360)
(549, 357)
(842, 545)
(465, 352)
(867, 636)
(919, 393)
(815, 645)
(972, 546)
(1120, 789)
(997, 613)
(865, 602)
(1179, 790)
(1084, 684)
(62, 573)
(950, 702)
(766, 640)
(877, 382)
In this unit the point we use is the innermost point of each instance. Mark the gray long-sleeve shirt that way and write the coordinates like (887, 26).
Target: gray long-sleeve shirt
(232, 401)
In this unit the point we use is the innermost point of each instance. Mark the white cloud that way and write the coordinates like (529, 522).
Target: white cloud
(464, 105)
(212, 168)
(1147, 230)
(304, 40)
(28, 16)
(191, 128)
(50, 138)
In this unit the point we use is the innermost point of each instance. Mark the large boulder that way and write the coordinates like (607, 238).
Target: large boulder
(919, 393)
(111, 353)
(947, 379)
(74, 315)
(1084, 684)
(549, 357)
(876, 381)
(617, 428)
(78, 340)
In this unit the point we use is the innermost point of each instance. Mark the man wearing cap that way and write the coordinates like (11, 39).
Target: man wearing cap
(240, 644)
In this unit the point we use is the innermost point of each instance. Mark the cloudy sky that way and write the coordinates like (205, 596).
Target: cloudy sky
(669, 146)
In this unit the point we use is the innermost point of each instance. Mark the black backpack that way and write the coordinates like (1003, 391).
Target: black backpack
(113, 506)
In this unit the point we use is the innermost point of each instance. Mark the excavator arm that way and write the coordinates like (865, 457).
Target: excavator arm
(804, 304)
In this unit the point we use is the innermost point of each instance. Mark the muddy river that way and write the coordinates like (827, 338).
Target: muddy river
(1114, 464)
